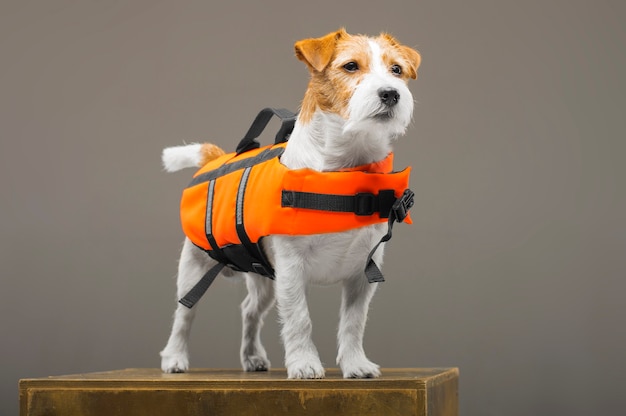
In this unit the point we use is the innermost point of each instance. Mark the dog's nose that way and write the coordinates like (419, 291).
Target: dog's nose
(389, 97)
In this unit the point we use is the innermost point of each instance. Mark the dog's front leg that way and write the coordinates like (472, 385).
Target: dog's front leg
(301, 357)
(356, 296)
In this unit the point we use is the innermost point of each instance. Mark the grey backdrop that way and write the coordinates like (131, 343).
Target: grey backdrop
(513, 270)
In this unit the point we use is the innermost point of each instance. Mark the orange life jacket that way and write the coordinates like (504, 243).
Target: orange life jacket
(239, 198)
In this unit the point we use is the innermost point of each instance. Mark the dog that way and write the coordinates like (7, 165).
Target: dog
(356, 104)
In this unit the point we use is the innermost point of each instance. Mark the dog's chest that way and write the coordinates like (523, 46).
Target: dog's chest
(324, 258)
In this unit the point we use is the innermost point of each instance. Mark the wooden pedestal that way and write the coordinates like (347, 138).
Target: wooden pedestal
(411, 391)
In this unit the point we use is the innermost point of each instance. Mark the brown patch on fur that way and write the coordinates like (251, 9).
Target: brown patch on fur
(331, 86)
(396, 54)
(317, 52)
(210, 152)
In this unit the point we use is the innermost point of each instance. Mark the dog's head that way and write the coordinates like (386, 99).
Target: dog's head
(361, 79)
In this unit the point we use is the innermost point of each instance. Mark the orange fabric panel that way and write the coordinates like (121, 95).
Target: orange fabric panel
(224, 209)
(193, 214)
(263, 214)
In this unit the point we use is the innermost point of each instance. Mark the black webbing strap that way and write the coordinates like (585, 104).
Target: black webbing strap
(385, 203)
(359, 204)
(249, 142)
(261, 266)
(287, 118)
(196, 292)
(399, 211)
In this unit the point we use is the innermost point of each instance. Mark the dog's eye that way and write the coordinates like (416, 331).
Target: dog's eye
(351, 66)
(396, 69)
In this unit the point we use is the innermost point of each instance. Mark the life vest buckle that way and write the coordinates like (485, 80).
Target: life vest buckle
(262, 270)
(403, 204)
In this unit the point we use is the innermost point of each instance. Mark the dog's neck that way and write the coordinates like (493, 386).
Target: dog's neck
(329, 143)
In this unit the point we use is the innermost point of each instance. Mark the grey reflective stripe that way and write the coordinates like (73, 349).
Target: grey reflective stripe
(264, 156)
(208, 224)
(240, 197)
(208, 221)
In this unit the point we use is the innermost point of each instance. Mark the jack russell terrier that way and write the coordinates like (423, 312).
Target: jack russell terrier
(356, 104)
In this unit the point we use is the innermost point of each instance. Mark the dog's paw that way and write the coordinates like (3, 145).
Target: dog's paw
(362, 368)
(305, 368)
(174, 363)
(255, 363)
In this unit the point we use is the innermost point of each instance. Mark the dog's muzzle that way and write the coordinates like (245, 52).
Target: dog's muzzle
(389, 97)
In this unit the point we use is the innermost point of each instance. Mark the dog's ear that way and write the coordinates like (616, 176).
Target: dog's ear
(413, 58)
(317, 53)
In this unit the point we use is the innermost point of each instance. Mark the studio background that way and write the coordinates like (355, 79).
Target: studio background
(513, 269)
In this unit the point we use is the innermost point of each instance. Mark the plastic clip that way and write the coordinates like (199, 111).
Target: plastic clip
(403, 204)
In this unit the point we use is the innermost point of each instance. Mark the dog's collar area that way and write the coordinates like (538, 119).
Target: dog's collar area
(381, 166)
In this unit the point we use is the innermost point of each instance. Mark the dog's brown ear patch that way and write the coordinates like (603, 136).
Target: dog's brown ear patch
(413, 58)
(318, 52)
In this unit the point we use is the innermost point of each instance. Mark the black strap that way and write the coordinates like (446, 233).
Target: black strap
(263, 266)
(239, 208)
(287, 118)
(399, 212)
(385, 203)
(196, 292)
(359, 204)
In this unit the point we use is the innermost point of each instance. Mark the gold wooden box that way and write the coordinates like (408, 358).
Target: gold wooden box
(138, 392)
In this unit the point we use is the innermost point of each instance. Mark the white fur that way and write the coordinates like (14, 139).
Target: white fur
(181, 157)
(327, 142)
(365, 102)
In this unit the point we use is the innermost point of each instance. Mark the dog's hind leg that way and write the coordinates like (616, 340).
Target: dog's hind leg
(356, 296)
(253, 310)
(192, 266)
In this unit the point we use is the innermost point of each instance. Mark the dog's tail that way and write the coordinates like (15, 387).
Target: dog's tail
(189, 156)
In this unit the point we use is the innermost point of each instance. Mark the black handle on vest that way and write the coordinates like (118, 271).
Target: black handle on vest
(287, 118)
